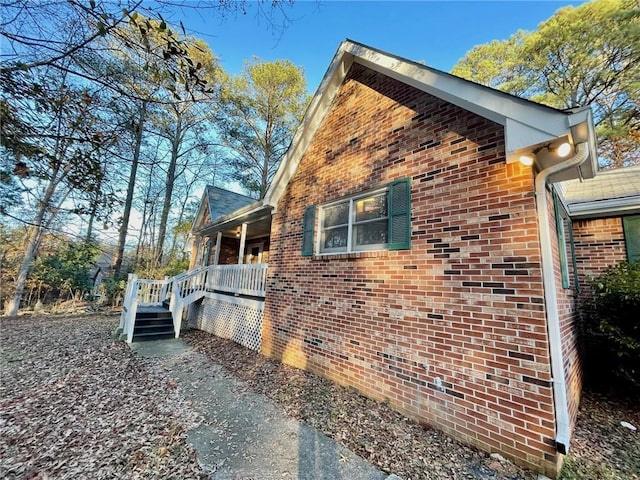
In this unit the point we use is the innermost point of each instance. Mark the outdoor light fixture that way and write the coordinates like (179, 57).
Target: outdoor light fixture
(526, 160)
(238, 232)
(563, 150)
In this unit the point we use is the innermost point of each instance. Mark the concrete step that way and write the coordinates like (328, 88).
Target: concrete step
(153, 335)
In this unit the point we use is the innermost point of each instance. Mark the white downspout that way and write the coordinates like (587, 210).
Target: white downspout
(551, 299)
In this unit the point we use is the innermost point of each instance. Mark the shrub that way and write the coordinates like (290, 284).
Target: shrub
(612, 329)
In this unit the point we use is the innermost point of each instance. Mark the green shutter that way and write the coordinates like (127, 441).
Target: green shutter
(400, 214)
(574, 261)
(562, 242)
(631, 226)
(307, 230)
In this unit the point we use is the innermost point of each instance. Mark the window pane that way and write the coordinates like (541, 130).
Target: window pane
(334, 238)
(336, 215)
(371, 207)
(371, 233)
(631, 226)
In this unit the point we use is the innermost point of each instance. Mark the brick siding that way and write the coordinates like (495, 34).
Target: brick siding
(599, 244)
(451, 332)
(228, 251)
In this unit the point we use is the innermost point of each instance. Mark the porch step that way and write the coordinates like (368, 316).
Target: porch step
(153, 323)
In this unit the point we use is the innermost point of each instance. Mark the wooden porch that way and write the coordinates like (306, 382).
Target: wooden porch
(174, 294)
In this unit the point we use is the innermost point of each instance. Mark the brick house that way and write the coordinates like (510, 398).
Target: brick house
(605, 218)
(417, 240)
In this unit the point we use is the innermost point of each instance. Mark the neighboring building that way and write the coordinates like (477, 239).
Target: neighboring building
(414, 254)
(605, 214)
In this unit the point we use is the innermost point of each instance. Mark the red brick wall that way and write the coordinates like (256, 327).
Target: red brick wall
(228, 251)
(599, 244)
(464, 305)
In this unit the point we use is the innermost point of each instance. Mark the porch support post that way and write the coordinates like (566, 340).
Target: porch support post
(243, 238)
(216, 255)
(195, 252)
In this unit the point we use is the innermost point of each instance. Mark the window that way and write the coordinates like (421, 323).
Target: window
(566, 248)
(631, 226)
(376, 220)
(355, 224)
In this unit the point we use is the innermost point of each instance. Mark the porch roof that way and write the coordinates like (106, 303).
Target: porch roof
(217, 202)
(223, 202)
(612, 192)
(256, 215)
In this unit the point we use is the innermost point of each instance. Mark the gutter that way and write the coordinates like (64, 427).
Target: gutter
(603, 208)
(551, 299)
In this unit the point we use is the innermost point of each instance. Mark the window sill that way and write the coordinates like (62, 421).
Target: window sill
(350, 255)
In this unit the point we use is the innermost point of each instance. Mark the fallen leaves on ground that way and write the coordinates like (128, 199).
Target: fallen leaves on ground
(77, 404)
(368, 428)
(601, 448)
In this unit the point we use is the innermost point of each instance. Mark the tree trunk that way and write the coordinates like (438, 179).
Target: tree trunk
(29, 255)
(35, 234)
(168, 192)
(124, 227)
(92, 216)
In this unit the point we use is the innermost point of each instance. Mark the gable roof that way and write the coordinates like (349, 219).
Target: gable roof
(222, 202)
(612, 192)
(217, 202)
(529, 126)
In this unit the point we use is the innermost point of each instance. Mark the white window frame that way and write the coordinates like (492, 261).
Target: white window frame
(350, 248)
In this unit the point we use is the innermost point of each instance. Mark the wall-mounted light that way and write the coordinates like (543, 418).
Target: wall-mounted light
(526, 160)
(238, 230)
(563, 150)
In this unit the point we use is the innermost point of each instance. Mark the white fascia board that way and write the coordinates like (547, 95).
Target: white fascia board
(605, 208)
(197, 221)
(252, 212)
(519, 136)
(313, 118)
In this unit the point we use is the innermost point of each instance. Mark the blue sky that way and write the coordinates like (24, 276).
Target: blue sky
(436, 32)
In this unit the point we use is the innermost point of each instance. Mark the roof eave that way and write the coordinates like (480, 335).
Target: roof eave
(254, 211)
(200, 213)
(605, 208)
(528, 125)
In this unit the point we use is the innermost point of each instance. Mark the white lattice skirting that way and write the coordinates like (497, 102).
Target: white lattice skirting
(233, 318)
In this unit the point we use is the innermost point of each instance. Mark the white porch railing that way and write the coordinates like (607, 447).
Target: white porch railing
(151, 292)
(248, 279)
(129, 308)
(186, 288)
